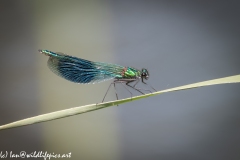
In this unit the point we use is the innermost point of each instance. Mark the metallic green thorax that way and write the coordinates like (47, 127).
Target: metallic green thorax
(131, 73)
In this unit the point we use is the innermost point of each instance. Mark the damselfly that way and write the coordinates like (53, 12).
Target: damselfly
(83, 71)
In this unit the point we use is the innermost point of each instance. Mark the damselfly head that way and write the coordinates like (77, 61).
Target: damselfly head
(145, 73)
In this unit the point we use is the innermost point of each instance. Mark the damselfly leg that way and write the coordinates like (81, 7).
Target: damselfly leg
(127, 83)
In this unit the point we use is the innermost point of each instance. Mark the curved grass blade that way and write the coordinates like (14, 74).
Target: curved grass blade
(92, 107)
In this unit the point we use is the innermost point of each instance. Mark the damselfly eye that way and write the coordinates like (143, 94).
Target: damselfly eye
(145, 73)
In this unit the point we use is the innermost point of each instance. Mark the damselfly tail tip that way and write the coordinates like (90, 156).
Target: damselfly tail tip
(46, 52)
(40, 50)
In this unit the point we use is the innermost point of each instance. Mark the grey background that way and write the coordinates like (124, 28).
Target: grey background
(179, 43)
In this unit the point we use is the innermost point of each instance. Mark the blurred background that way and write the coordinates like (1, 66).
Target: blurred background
(179, 43)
